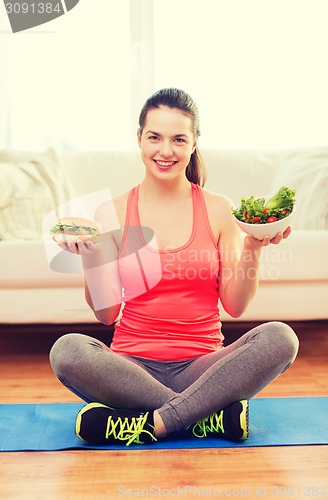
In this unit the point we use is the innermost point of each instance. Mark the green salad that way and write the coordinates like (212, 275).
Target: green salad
(258, 211)
(74, 229)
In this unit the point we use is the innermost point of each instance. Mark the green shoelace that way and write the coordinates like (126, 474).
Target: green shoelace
(128, 429)
(213, 423)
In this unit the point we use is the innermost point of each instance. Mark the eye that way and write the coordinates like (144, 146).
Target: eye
(179, 140)
(153, 137)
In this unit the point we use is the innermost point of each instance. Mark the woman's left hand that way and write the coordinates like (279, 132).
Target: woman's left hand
(252, 243)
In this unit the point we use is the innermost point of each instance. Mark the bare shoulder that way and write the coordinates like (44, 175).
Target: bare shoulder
(111, 213)
(120, 204)
(219, 211)
(111, 216)
(217, 203)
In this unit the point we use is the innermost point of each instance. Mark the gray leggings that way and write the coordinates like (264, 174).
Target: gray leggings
(183, 392)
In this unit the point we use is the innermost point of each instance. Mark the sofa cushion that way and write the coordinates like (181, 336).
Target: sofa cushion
(29, 189)
(25, 264)
(240, 173)
(118, 171)
(307, 172)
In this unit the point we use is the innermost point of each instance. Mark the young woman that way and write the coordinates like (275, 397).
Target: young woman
(167, 368)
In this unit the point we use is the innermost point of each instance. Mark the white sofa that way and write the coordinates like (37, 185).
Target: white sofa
(294, 274)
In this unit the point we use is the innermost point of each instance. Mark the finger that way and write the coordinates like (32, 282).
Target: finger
(266, 240)
(277, 239)
(84, 246)
(61, 245)
(81, 245)
(287, 232)
(73, 247)
(89, 245)
(280, 236)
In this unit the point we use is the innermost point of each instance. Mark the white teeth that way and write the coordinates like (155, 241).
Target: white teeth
(165, 163)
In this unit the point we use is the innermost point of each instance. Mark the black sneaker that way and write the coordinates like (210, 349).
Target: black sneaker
(100, 424)
(231, 423)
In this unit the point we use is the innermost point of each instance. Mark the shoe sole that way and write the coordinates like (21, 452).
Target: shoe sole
(244, 417)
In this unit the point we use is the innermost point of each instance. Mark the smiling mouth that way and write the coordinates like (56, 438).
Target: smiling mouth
(165, 164)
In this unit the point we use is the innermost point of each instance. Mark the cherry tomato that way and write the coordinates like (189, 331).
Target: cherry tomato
(255, 220)
(265, 211)
(272, 219)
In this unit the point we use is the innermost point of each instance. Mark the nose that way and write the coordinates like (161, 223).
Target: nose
(166, 149)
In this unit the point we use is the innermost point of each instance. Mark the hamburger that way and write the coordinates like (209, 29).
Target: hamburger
(70, 229)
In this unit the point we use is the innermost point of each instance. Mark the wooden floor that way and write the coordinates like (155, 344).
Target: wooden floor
(270, 472)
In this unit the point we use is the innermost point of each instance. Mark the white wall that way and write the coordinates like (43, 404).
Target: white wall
(256, 68)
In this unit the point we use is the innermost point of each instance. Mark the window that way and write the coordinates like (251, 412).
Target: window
(256, 68)
(68, 82)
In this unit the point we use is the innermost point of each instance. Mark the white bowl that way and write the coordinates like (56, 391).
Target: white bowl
(259, 231)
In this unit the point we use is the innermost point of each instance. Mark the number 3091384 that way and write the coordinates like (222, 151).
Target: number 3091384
(33, 8)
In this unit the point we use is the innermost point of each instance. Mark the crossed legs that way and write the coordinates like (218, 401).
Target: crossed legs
(179, 393)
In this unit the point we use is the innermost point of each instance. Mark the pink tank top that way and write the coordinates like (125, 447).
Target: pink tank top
(170, 296)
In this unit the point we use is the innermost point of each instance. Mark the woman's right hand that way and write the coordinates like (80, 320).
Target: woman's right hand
(77, 246)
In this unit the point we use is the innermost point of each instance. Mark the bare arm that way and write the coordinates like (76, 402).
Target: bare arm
(239, 267)
(103, 290)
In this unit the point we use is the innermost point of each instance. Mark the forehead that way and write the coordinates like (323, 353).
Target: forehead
(165, 119)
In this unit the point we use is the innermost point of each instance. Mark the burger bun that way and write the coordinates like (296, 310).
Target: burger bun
(74, 238)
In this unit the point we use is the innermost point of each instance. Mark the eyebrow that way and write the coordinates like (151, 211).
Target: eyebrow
(156, 133)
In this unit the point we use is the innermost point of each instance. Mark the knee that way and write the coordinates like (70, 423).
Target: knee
(64, 352)
(286, 340)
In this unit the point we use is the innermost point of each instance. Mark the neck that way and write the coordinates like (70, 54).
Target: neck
(151, 188)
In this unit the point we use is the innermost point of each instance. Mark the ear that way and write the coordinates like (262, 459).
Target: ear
(194, 146)
(139, 137)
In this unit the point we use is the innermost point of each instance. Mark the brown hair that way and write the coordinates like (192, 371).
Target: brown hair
(177, 98)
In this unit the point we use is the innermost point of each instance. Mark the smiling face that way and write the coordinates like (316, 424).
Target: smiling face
(167, 142)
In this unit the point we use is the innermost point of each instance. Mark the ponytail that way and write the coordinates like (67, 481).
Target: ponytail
(196, 170)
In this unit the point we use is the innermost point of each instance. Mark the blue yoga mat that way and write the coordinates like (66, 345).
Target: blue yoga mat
(273, 422)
